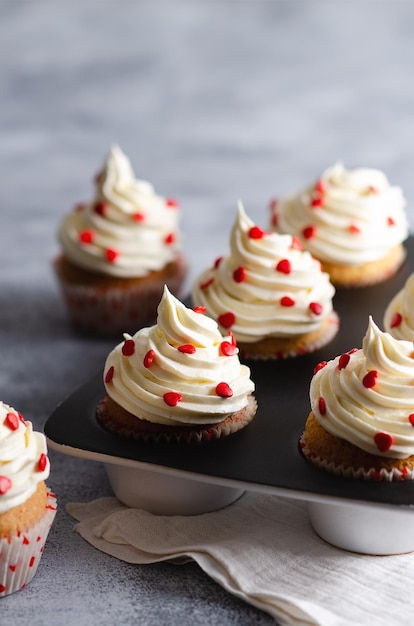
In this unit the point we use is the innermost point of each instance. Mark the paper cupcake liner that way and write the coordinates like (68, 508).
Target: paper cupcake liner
(208, 433)
(113, 311)
(364, 280)
(331, 328)
(20, 553)
(347, 471)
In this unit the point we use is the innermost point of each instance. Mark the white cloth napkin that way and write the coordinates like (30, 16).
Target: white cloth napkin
(261, 549)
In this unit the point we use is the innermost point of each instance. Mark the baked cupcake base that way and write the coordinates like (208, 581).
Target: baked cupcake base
(23, 533)
(109, 306)
(338, 456)
(119, 421)
(283, 347)
(366, 273)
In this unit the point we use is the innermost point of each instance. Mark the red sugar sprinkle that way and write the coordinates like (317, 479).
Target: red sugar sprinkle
(100, 208)
(411, 419)
(228, 349)
(343, 361)
(111, 255)
(12, 421)
(218, 261)
(138, 217)
(172, 398)
(316, 202)
(296, 243)
(284, 266)
(273, 203)
(354, 229)
(383, 441)
(390, 221)
(5, 485)
(352, 350)
(316, 308)
(149, 358)
(239, 274)
(370, 379)
(322, 406)
(275, 220)
(320, 366)
(308, 232)
(109, 374)
(86, 236)
(226, 319)
(256, 232)
(128, 348)
(187, 348)
(207, 283)
(31, 562)
(2, 588)
(12, 568)
(320, 186)
(396, 320)
(170, 238)
(224, 390)
(42, 463)
(200, 309)
(171, 202)
(232, 337)
(287, 301)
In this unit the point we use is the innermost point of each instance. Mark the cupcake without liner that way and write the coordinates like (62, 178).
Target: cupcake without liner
(270, 293)
(118, 251)
(179, 380)
(353, 221)
(27, 507)
(361, 423)
(399, 313)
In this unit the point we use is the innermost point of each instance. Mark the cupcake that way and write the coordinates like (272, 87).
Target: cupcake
(353, 221)
(399, 314)
(27, 507)
(178, 380)
(362, 411)
(118, 251)
(269, 292)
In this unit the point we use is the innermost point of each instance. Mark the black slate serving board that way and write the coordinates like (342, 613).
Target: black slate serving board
(266, 453)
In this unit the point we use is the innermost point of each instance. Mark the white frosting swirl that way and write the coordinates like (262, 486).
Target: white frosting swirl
(23, 458)
(369, 400)
(258, 282)
(127, 231)
(348, 217)
(399, 314)
(157, 364)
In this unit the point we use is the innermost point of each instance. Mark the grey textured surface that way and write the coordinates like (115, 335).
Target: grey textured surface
(212, 101)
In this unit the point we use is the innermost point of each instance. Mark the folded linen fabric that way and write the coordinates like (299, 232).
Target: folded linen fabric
(263, 550)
